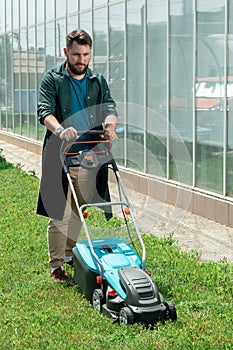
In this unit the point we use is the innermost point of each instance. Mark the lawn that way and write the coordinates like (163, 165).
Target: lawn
(37, 313)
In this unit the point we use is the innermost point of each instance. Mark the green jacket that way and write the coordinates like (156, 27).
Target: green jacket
(55, 98)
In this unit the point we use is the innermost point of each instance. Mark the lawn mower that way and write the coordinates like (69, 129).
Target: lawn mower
(109, 270)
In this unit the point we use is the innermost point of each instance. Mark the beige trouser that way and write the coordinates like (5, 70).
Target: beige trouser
(62, 235)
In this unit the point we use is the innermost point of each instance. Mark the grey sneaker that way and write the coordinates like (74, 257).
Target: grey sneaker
(68, 260)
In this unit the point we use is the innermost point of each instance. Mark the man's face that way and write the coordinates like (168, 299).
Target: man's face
(78, 57)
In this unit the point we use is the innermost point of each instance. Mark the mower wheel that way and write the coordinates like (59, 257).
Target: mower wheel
(126, 316)
(97, 299)
(171, 311)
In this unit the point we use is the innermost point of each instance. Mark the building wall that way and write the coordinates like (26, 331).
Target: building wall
(168, 64)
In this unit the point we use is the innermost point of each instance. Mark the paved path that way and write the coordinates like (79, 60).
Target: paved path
(213, 241)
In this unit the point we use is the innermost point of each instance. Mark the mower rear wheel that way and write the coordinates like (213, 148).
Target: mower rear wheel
(97, 299)
(171, 311)
(126, 316)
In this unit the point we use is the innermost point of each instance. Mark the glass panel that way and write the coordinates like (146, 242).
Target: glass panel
(50, 45)
(230, 103)
(135, 88)
(40, 11)
(40, 50)
(40, 68)
(100, 41)
(72, 6)
(8, 18)
(15, 14)
(72, 23)
(84, 4)
(86, 24)
(210, 96)
(157, 87)
(23, 13)
(181, 87)
(2, 72)
(16, 73)
(31, 12)
(9, 122)
(116, 48)
(49, 9)
(2, 18)
(24, 81)
(32, 82)
(61, 41)
(60, 8)
(116, 71)
(100, 2)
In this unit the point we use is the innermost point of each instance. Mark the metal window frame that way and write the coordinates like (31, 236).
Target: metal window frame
(168, 93)
(194, 88)
(225, 116)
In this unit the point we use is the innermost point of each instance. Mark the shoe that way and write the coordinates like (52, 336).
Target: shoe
(69, 260)
(59, 275)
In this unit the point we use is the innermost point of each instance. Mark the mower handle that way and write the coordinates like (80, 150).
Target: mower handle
(66, 144)
(80, 133)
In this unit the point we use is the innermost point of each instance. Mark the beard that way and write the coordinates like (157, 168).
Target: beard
(77, 70)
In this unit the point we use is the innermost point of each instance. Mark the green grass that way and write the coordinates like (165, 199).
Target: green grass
(37, 313)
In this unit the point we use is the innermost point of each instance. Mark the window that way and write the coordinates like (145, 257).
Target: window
(229, 158)
(156, 141)
(209, 111)
(100, 41)
(135, 87)
(180, 108)
(117, 72)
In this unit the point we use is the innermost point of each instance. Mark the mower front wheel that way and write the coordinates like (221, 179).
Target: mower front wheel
(97, 299)
(126, 316)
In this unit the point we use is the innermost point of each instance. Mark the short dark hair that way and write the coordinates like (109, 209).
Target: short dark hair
(80, 36)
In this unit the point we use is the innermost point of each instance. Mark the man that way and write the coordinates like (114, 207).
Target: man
(72, 98)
